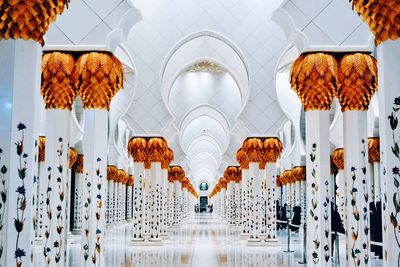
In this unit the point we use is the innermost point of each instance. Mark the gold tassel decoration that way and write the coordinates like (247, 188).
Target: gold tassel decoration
(28, 19)
(58, 90)
(358, 76)
(382, 17)
(314, 77)
(98, 77)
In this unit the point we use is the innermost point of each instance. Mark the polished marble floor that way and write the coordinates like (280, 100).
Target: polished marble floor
(202, 241)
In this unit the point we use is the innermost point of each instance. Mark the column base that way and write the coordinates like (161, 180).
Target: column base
(255, 242)
(136, 241)
(271, 240)
(155, 240)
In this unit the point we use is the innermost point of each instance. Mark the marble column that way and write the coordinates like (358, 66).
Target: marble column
(19, 133)
(338, 160)
(389, 132)
(238, 198)
(78, 194)
(374, 158)
(254, 149)
(58, 97)
(272, 149)
(355, 94)
(112, 173)
(165, 188)
(242, 158)
(20, 62)
(137, 148)
(42, 174)
(317, 98)
(170, 199)
(96, 96)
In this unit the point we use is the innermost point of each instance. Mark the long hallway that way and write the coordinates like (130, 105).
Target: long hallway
(202, 241)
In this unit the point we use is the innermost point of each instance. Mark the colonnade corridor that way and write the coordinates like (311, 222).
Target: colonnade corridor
(174, 133)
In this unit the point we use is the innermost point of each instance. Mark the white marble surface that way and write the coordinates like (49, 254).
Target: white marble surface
(202, 241)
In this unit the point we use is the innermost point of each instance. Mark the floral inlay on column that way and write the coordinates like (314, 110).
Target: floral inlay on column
(19, 220)
(3, 199)
(395, 172)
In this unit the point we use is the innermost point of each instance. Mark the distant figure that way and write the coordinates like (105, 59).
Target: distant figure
(376, 227)
(282, 217)
(336, 224)
(295, 219)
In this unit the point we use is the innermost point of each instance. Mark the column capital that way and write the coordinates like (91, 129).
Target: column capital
(380, 15)
(314, 77)
(112, 172)
(168, 158)
(242, 158)
(374, 153)
(299, 173)
(253, 147)
(358, 76)
(156, 147)
(58, 90)
(98, 77)
(42, 148)
(79, 164)
(338, 158)
(28, 19)
(73, 156)
(137, 148)
(272, 149)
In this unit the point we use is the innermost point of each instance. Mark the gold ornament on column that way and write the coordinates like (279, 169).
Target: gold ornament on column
(177, 173)
(338, 158)
(73, 156)
(382, 17)
(314, 77)
(253, 147)
(272, 149)
(358, 76)
(334, 169)
(58, 90)
(138, 149)
(98, 77)
(28, 19)
(299, 173)
(223, 182)
(278, 181)
(156, 149)
(374, 154)
(79, 164)
(42, 148)
(112, 172)
(168, 158)
(131, 180)
(185, 183)
(242, 158)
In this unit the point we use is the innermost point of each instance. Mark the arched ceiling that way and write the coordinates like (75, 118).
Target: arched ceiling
(204, 72)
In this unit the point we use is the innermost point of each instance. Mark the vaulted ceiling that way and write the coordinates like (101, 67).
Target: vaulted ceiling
(203, 73)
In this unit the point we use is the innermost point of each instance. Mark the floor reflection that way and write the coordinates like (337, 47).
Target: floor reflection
(201, 241)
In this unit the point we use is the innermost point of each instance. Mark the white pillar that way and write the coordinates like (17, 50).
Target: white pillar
(177, 195)
(358, 182)
(318, 187)
(164, 201)
(171, 199)
(389, 103)
(255, 201)
(271, 200)
(56, 221)
(138, 197)
(245, 202)
(95, 149)
(155, 203)
(19, 104)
